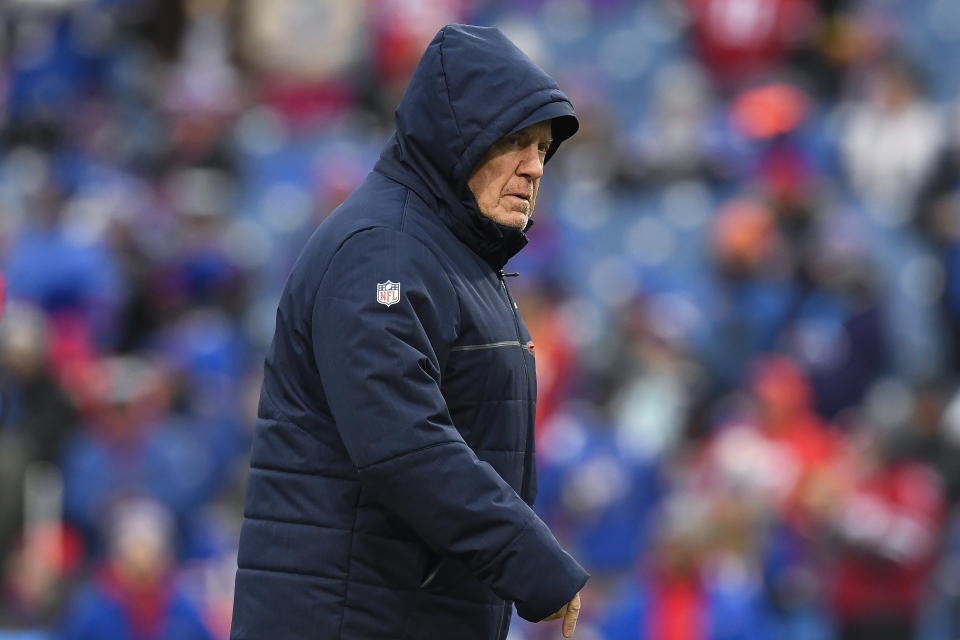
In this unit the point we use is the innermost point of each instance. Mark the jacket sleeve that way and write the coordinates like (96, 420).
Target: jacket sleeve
(381, 369)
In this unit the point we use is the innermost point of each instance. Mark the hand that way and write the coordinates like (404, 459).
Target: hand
(569, 612)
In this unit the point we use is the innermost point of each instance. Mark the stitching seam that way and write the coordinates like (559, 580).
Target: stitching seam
(346, 578)
(446, 88)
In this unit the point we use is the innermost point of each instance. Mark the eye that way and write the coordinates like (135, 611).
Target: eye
(544, 147)
(512, 141)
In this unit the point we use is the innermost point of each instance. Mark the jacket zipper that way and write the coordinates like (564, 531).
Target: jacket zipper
(516, 316)
(510, 303)
(526, 369)
(503, 616)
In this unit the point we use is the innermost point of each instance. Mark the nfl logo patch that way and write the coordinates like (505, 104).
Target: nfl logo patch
(388, 293)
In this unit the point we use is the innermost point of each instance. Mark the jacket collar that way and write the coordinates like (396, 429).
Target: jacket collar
(493, 242)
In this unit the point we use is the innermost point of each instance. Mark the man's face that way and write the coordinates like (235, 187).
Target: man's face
(506, 181)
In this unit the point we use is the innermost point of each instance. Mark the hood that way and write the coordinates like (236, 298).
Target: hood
(472, 87)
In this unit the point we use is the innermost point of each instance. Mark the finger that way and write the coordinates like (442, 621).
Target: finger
(570, 617)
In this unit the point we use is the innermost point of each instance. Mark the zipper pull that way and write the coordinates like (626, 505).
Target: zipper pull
(507, 275)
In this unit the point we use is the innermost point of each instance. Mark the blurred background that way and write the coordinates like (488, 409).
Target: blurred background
(743, 285)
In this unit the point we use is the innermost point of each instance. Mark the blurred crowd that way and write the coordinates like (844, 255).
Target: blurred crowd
(743, 285)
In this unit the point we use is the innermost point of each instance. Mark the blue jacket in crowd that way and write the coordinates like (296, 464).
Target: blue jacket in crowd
(392, 469)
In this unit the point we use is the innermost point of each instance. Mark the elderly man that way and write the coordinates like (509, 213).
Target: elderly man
(392, 469)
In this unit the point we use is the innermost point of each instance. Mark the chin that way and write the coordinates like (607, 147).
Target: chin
(508, 218)
(515, 219)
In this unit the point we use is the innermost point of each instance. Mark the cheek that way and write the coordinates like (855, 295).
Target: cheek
(489, 198)
(480, 186)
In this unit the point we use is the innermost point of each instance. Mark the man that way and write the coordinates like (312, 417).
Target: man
(392, 467)
(134, 594)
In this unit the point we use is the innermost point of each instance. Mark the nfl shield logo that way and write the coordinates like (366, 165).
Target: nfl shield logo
(388, 293)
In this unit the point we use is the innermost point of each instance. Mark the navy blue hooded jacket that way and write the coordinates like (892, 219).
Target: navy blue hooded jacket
(392, 468)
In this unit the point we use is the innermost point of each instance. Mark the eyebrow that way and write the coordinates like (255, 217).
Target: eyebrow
(530, 137)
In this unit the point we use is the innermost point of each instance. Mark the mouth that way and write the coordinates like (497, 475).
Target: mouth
(519, 203)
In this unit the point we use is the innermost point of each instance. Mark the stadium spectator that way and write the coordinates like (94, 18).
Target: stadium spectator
(892, 136)
(134, 594)
(697, 583)
(886, 527)
(36, 415)
(745, 40)
(134, 444)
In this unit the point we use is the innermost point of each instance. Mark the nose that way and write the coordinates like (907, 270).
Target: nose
(531, 164)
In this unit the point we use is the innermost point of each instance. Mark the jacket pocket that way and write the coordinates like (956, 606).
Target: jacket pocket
(432, 574)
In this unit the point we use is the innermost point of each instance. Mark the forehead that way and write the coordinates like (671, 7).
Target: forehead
(541, 130)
